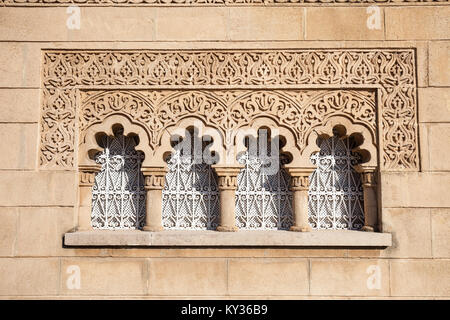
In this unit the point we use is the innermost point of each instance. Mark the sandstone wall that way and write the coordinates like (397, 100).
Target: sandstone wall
(37, 206)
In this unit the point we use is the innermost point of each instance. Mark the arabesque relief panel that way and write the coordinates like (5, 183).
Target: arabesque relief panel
(297, 89)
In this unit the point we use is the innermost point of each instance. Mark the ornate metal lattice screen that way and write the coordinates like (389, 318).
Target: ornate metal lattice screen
(190, 195)
(335, 192)
(118, 195)
(263, 201)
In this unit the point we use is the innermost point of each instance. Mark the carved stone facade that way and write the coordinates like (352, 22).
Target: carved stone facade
(389, 73)
(373, 73)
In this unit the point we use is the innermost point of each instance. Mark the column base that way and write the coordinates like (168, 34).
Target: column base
(300, 228)
(368, 229)
(152, 229)
(227, 229)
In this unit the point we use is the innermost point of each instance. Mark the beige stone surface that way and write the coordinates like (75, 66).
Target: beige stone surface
(196, 277)
(18, 143)
(334, 23)
(349, 277)
(29, 276)
(415, 189)
(439, 146)
(41, 229)
(191, 24)
(51, 24)
(439, 61)
(434, 104)
(420, 278)
(419, 23)
(268, 277)
(19, 105)
(37, 188)
(8, 230)
(440, 236)
(104, 276)
(411, 232)
(257, 238)
(266, 24)
(20, 65)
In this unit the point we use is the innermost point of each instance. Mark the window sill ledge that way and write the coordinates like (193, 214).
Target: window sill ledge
(242, 238)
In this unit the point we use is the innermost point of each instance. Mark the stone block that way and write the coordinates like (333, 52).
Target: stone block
(8, 230)
(27, 188)
(415, 189)
(193, 277)
(40, 230)
(349, 277)
(29, 276)
(266, 24)
(19, 105)
(439, 61)
(411, 232)
(429, 278)
(440, 226)
(21, 63)
(103, 276)
(95, 24)
(434, 103)
(191, 24)
(342, 23)
(268, 277)
(18, 142)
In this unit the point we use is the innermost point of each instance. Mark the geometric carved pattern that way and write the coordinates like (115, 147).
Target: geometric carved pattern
(390, 71)
(227, 110)
(335, 192)
(263, 200)
(191, 195)
(118, 194)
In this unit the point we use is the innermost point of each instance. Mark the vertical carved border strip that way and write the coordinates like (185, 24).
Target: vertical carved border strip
(64, 71)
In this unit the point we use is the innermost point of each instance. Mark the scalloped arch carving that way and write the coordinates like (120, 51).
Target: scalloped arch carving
(229, 112)
(271, 76)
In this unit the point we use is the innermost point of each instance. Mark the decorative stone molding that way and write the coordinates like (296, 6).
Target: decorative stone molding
(300, 182)
(206, 84)
(368, 179)
(203, 2)
(87, 175)
(154, 178)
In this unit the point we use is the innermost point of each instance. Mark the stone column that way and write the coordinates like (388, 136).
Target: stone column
(227, 197)
(370, 200)
(154, 184)
(86, 178)
(300, 187)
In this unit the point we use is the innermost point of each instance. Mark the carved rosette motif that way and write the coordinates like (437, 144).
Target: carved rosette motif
(392, 71)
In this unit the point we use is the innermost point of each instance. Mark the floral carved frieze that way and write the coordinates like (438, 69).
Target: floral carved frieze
(229, 88)
(206, 2)
(229, 110)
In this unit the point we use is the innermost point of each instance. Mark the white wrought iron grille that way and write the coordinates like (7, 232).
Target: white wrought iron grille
(118, 194)
(263, 201)
(335, 192)
(190, 195)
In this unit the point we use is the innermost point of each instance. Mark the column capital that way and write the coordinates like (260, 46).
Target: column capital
(299, 178)
(154, 177)
(227, 177)
(86, 175)
(369, 178)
